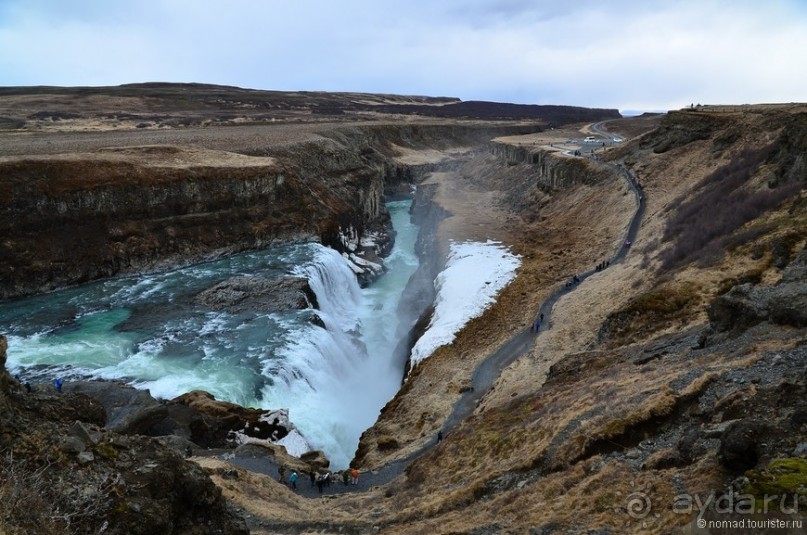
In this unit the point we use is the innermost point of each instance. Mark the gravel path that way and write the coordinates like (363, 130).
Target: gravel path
(488, 371)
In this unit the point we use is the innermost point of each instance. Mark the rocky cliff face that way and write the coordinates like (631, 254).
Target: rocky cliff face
(67, 220)
(550, 170)
(697, 388)
(704, 380)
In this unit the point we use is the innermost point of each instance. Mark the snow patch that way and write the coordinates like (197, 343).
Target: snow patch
(294, 442)
(378, 269)
(474, 274)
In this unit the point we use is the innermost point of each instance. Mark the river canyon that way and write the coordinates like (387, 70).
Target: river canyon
(147, 238)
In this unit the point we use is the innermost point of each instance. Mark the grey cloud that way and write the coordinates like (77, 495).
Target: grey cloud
(591, 52)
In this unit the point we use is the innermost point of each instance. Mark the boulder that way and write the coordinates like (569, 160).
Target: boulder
(745, 305)
(739, 445)
(737, 310)
(71, 444)
(218, 421)
(788, 304)
(88, 436)
(248, 292)
(788, 300)
(140, 422)
(85, 457)
(122, 404)
(316, 459)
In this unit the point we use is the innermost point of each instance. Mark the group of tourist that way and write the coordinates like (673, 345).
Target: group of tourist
(321, 480)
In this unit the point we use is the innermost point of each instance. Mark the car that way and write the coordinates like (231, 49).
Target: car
(590, 139)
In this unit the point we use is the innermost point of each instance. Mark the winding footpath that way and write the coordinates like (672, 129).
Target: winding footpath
(483, 376)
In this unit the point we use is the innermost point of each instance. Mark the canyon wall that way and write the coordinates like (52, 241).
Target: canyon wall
(67, 221)
(73, 218)
(550, 169)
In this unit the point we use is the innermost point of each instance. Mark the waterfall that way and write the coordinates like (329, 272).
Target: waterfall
(149, 331)
(337, 290)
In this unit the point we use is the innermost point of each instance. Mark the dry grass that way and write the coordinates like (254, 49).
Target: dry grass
(526, 424)
(703, 221)
(555, 457)
(551, 249)
(652, 312)
(32, 502)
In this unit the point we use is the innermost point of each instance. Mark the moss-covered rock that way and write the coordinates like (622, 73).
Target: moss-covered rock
(786, 476)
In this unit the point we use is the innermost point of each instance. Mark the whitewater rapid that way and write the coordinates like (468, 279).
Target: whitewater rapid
(151, 332)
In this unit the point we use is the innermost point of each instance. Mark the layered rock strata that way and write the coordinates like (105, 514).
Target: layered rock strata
(71, 218)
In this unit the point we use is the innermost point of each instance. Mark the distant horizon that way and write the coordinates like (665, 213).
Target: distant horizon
(624, 112)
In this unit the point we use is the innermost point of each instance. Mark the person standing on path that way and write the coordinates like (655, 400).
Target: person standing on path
(354, 475)
(293, 480)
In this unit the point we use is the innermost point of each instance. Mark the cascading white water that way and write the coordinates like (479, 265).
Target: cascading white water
(148, 330)
(351, 374)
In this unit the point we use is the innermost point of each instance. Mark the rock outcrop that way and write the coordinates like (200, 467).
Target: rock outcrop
(64, 472)
(197, 417)
(249, 292)
(681, 128)
(746, 305)
(68, 220)
(550, 169)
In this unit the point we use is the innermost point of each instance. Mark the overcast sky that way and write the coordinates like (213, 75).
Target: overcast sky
(631, 54)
